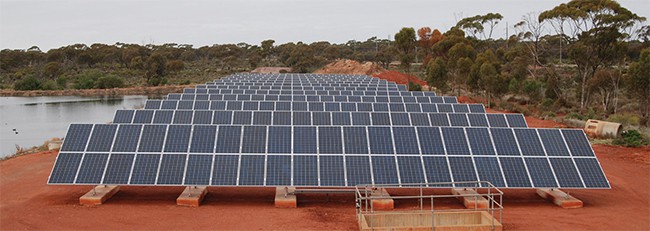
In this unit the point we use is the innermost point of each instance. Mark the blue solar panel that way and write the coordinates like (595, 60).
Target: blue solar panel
(529, 142)
(410, 169)
(445, 108)
(250, 105)
(515, 172)
(123, 116)
(458, 120)
(360, 118)
(341, 118)
(145, 169)
(262, 118)
(419, 119)
(201, 105)
(516, 120)
(178, 138)
(65, 169)
(488, 170)
(384, 170)
(279, 140)
(242, 117)
(152, 138)
(185, 105)
(321, 118)
(591, 173)
(380, 119)
(400, 119)
(202, 117)
(203, 138)
(183, 117)
(278, 170)
(380, 139)
(305, 170)
(163, 117)
(225, 170)
(355, 140)
(404, 137)
(77, 137)
(329, 140)
(304, 140)
(101, 139)
(430, 141)
(172, 169)
(152, 104)
(566, 173)
(358, 170)
(541, 173)
(251, 171)
(477, 120)
(255, 139)
(92, 169)
(577, 142)
(439, 120)
(553, 142)
(504, 141)
(168, 104)
(462, 169)
(497, 120)
(332, 172)
(455, 141)
(143, 117)
(479, 141)
(460, 108)
(118, 169)
(228, 139)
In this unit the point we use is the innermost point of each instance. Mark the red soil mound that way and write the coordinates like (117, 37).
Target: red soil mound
(400, 78)
(346, 66)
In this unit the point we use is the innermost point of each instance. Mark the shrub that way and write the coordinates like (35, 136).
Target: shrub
(625, 119)
(86, 80)
(156, 81)
(27, 84)
(574, 115)
(414, 87)
(630, 138)
(49, 85)
(109, 81)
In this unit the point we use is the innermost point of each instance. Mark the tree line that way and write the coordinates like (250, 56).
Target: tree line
(583, 57)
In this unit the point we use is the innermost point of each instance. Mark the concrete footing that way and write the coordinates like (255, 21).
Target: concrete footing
(382, 204)
(285, 197)
(469, 199)
(99, 194)
(559, 198)
(192, 196)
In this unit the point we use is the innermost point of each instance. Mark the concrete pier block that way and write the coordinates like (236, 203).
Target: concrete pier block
(192, 196)
(559, 198)
(382, 204)
(466, 196)
(99, 194)
(284, 197)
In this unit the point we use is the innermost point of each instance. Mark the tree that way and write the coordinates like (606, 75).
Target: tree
(426, 40)
(530, 33)
(476, 24)
(405, 41)
(638, 82)
(174, 65)
(267, 47)
(437, 75)
(595, 31)
(155, 69)
(52, 69)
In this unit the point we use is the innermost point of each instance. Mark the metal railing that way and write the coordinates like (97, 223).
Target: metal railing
(366, 194)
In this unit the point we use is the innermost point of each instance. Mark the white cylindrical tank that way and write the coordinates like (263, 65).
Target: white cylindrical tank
(603, 129)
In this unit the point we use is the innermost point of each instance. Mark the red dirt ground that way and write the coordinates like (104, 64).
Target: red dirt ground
(400, 78)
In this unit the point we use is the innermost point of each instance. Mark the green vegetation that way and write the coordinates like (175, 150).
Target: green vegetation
(630, 138)
(583, 59)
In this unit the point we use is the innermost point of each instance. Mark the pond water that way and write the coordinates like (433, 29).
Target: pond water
(30, 121)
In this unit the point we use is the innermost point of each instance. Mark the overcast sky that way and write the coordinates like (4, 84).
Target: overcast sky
(52, 24)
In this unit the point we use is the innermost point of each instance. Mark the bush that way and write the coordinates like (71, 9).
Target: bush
(49, 85)
(109, 81)
(414, 87)
(630, 138)
(156, 81)
(27, 84)
(86, 80)
(625, 119)
(574, 115)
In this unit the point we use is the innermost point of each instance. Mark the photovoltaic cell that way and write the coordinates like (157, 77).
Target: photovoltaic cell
(380, 139)
(504, 141)
(358, 170)
(462, 169)
(118, 169)
(305, 170)
(488, 170)
(279, 140)
(591, 173)
(143, 117)
(178, 138)
(529, 142)
(123, 116)
(410, 169)
(251, 171)
(163, 117)
(101, 139)
(145, 169)
(577, 143)
(304, 140)
(479, 141)
(331, 171)
(384, 169)
(255, 139)
(172, 169)
(455, 141)
(228, 140)
(430, 141)
(541, 173)
(329, 140)
(65, 169)
(553, 142)
(567, 175)
(77, 137)
(152, 138)
(515, 173)
(225, 170)
(404, 137)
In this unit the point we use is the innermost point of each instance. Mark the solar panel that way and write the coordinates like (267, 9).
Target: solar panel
(324, 131)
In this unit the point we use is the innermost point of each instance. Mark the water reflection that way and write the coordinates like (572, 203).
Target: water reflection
(29, 121)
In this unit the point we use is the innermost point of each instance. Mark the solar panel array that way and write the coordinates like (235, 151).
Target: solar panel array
(311, 130)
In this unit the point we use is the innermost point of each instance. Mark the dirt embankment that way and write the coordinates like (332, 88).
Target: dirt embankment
(346, 66)
(158, 90)
(400, 78)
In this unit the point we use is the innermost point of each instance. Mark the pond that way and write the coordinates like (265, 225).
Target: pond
(30, 121)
